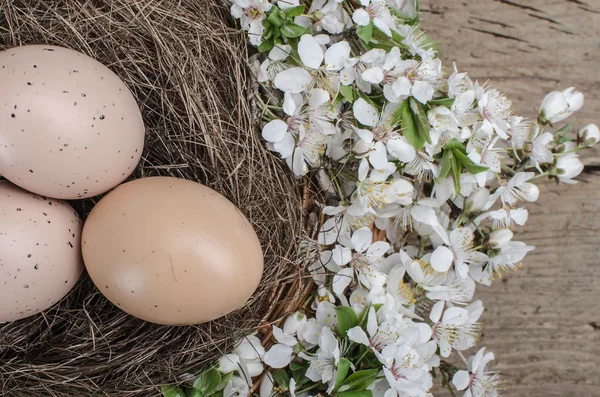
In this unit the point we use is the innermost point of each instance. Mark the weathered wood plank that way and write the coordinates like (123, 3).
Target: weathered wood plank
(525, 48)
(540, 321)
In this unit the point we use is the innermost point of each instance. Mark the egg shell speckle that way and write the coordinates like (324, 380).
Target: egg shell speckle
(40, 257)
(69, 127)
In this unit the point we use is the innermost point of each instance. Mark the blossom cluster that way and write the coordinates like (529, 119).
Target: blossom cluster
(431, 173)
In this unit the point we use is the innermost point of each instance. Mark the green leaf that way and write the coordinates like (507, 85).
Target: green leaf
(467, 163)
(365, 32)
(346, 319)
(269, 32)
(409, 129)
(453, 145)
(208, 382)
(363, 316)
(397, 116)
(294, 11)
(420, 118)
(275, 18)
(369, 100)
(564, 130)
(171, 391)
(342, 371)
(292, 30)
(265, 46)
(455, 172)
(347, 92)
(224, 381)
(442, 102)
(362, 393)
(359, 380)
(446, 165)
(294, 366)
(300, 376)
(562, 140)
(281, 379)
(194, 393)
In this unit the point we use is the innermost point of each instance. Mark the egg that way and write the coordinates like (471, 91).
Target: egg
(69, 127)
(171, 251)
(40, 255)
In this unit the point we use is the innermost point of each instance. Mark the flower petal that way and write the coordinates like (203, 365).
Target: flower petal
(364, 112)
(436, 311)
(361, 239)
(342, 280)
(401, 149)
(318, 97)
(280, 52)
(283, 338)
(341, 255)
(291, 102)
(285, 147)
(254, 368)
(328, 342)
(361, 17)
(373, 75)
(229, 363)
(329, 232)
(455, 316)
(382, 25)
(372, 322)
(266, 386)
(337, 55)
(310, 52)
(279, 356)
(442, 259)
(274, 131)
(363, 169)
(363, 134)
(357, 335)
(392, 58)
(378, 249)
(461, 380)
(422, 91)
(250, 348)
(294, 80)
(378, 157)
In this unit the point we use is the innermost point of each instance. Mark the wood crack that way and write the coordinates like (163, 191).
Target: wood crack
(524, 7)
(545, 19)
(504, 25)
(499, 35)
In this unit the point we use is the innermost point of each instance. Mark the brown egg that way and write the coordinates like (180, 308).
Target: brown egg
(40, 256)
(69, 127)
(171, 251)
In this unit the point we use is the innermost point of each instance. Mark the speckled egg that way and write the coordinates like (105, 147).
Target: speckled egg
(171, 251)
(40, 257)
(69, 127)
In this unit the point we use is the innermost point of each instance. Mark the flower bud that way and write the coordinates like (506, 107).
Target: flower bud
(557, 106)
(500, 237)
(568, 167)
(478, 200)
(294, 322)
(574, 99)
(554, 107)
(589, 135)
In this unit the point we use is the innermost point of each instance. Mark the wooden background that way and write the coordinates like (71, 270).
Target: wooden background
(542, 322)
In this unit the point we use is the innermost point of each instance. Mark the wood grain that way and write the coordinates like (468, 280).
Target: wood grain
(543, 321)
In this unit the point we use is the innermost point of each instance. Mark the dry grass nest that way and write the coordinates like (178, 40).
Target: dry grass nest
(186, 64)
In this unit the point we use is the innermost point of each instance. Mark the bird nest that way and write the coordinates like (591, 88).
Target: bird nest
(187, 66)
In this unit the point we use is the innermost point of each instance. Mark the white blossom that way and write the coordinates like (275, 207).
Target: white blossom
(477, 380)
